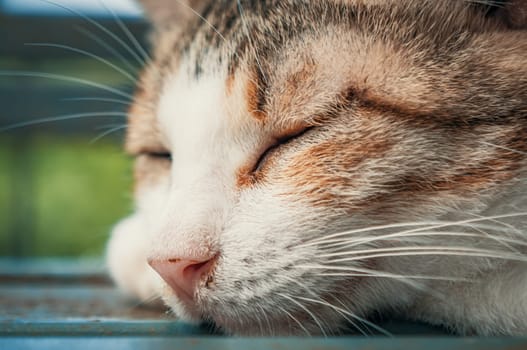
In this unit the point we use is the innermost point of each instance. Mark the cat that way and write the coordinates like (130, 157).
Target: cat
(302, 165)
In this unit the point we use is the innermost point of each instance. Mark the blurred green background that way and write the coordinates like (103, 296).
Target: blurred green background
(62, 186)
(62, 197)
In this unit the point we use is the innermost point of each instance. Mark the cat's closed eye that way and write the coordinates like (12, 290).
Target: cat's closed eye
(283, 140)
(159, 155)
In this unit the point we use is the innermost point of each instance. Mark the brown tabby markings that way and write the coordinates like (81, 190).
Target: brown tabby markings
(143, 134)
(314, 178)
(254, 98)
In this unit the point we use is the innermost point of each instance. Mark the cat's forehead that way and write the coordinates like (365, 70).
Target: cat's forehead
(290, 62)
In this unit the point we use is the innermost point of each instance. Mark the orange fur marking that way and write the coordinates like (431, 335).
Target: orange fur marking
(229, 83)
(253, 98)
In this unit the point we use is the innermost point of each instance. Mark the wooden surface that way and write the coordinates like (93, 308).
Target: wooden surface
(64, 304)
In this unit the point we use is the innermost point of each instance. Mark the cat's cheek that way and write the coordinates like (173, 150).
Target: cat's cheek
(126, 259)
(150, 200)
(150, 172)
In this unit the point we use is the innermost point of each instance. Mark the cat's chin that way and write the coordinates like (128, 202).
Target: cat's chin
(188, 312)
(184, 310)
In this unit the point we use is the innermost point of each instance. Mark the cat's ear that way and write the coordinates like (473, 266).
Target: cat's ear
(169, 12)
(513, 13)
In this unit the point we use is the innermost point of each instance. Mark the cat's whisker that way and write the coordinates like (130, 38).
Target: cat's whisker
(410, 280)
(108, 132)
(346, 312)
(196, 13)
(507, 225)
(32, 74)
(203, 19)
(107, 126)
(294, 319)
(303, 307)
(360, 240)
(486, 2)
(248, 35)
(503, 147)
(260, 325)
(462, 252)
(428, 225)
(505, 241)
(150, 299)
(402, 278)
(349, 243)
(88, 54)
(366, 332)
(101, 27)
(315, 295)
(145, 301)
(334, 270)
(127, 103)
(269, 327)
(318, 240)
(409, 248)
(97, 99)
(62, 118)
(126, 31)
(302, 285)
(106, 46)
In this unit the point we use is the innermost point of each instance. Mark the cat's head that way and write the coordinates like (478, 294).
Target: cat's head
(270, 135)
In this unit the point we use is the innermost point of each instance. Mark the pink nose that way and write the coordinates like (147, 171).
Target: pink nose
(183, 275)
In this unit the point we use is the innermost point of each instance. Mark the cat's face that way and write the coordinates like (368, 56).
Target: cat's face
(271, 125)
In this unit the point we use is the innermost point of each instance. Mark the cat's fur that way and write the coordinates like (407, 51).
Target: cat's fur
(401, 112)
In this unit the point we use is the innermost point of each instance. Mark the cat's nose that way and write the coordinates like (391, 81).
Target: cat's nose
(184, 275)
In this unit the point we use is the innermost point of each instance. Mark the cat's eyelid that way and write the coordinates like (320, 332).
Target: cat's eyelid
(292, 131)
(152, 152)
(159, 154)
(281, 140)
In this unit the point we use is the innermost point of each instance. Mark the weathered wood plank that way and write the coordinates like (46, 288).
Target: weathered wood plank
(171, 343)
(65, 304)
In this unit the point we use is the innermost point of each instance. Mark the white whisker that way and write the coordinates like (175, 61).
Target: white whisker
(374, 326)
(131, 37)
(294, 319)
(108, 48)
(108, 132)
(401, 236)
(88, 54)
(31, 74)
(307, 311)
(425, 251)
(403, 278)
(101, 27)
(62, 118)
(203, 19)
(428, 225)
(269, 328)
(315, 295)
(106, 99)
(97, 99)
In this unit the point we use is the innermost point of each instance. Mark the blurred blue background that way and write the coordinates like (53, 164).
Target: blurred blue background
(124, 8)
(63, 184)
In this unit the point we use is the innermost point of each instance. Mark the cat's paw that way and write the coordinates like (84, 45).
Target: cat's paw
(127, 263)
